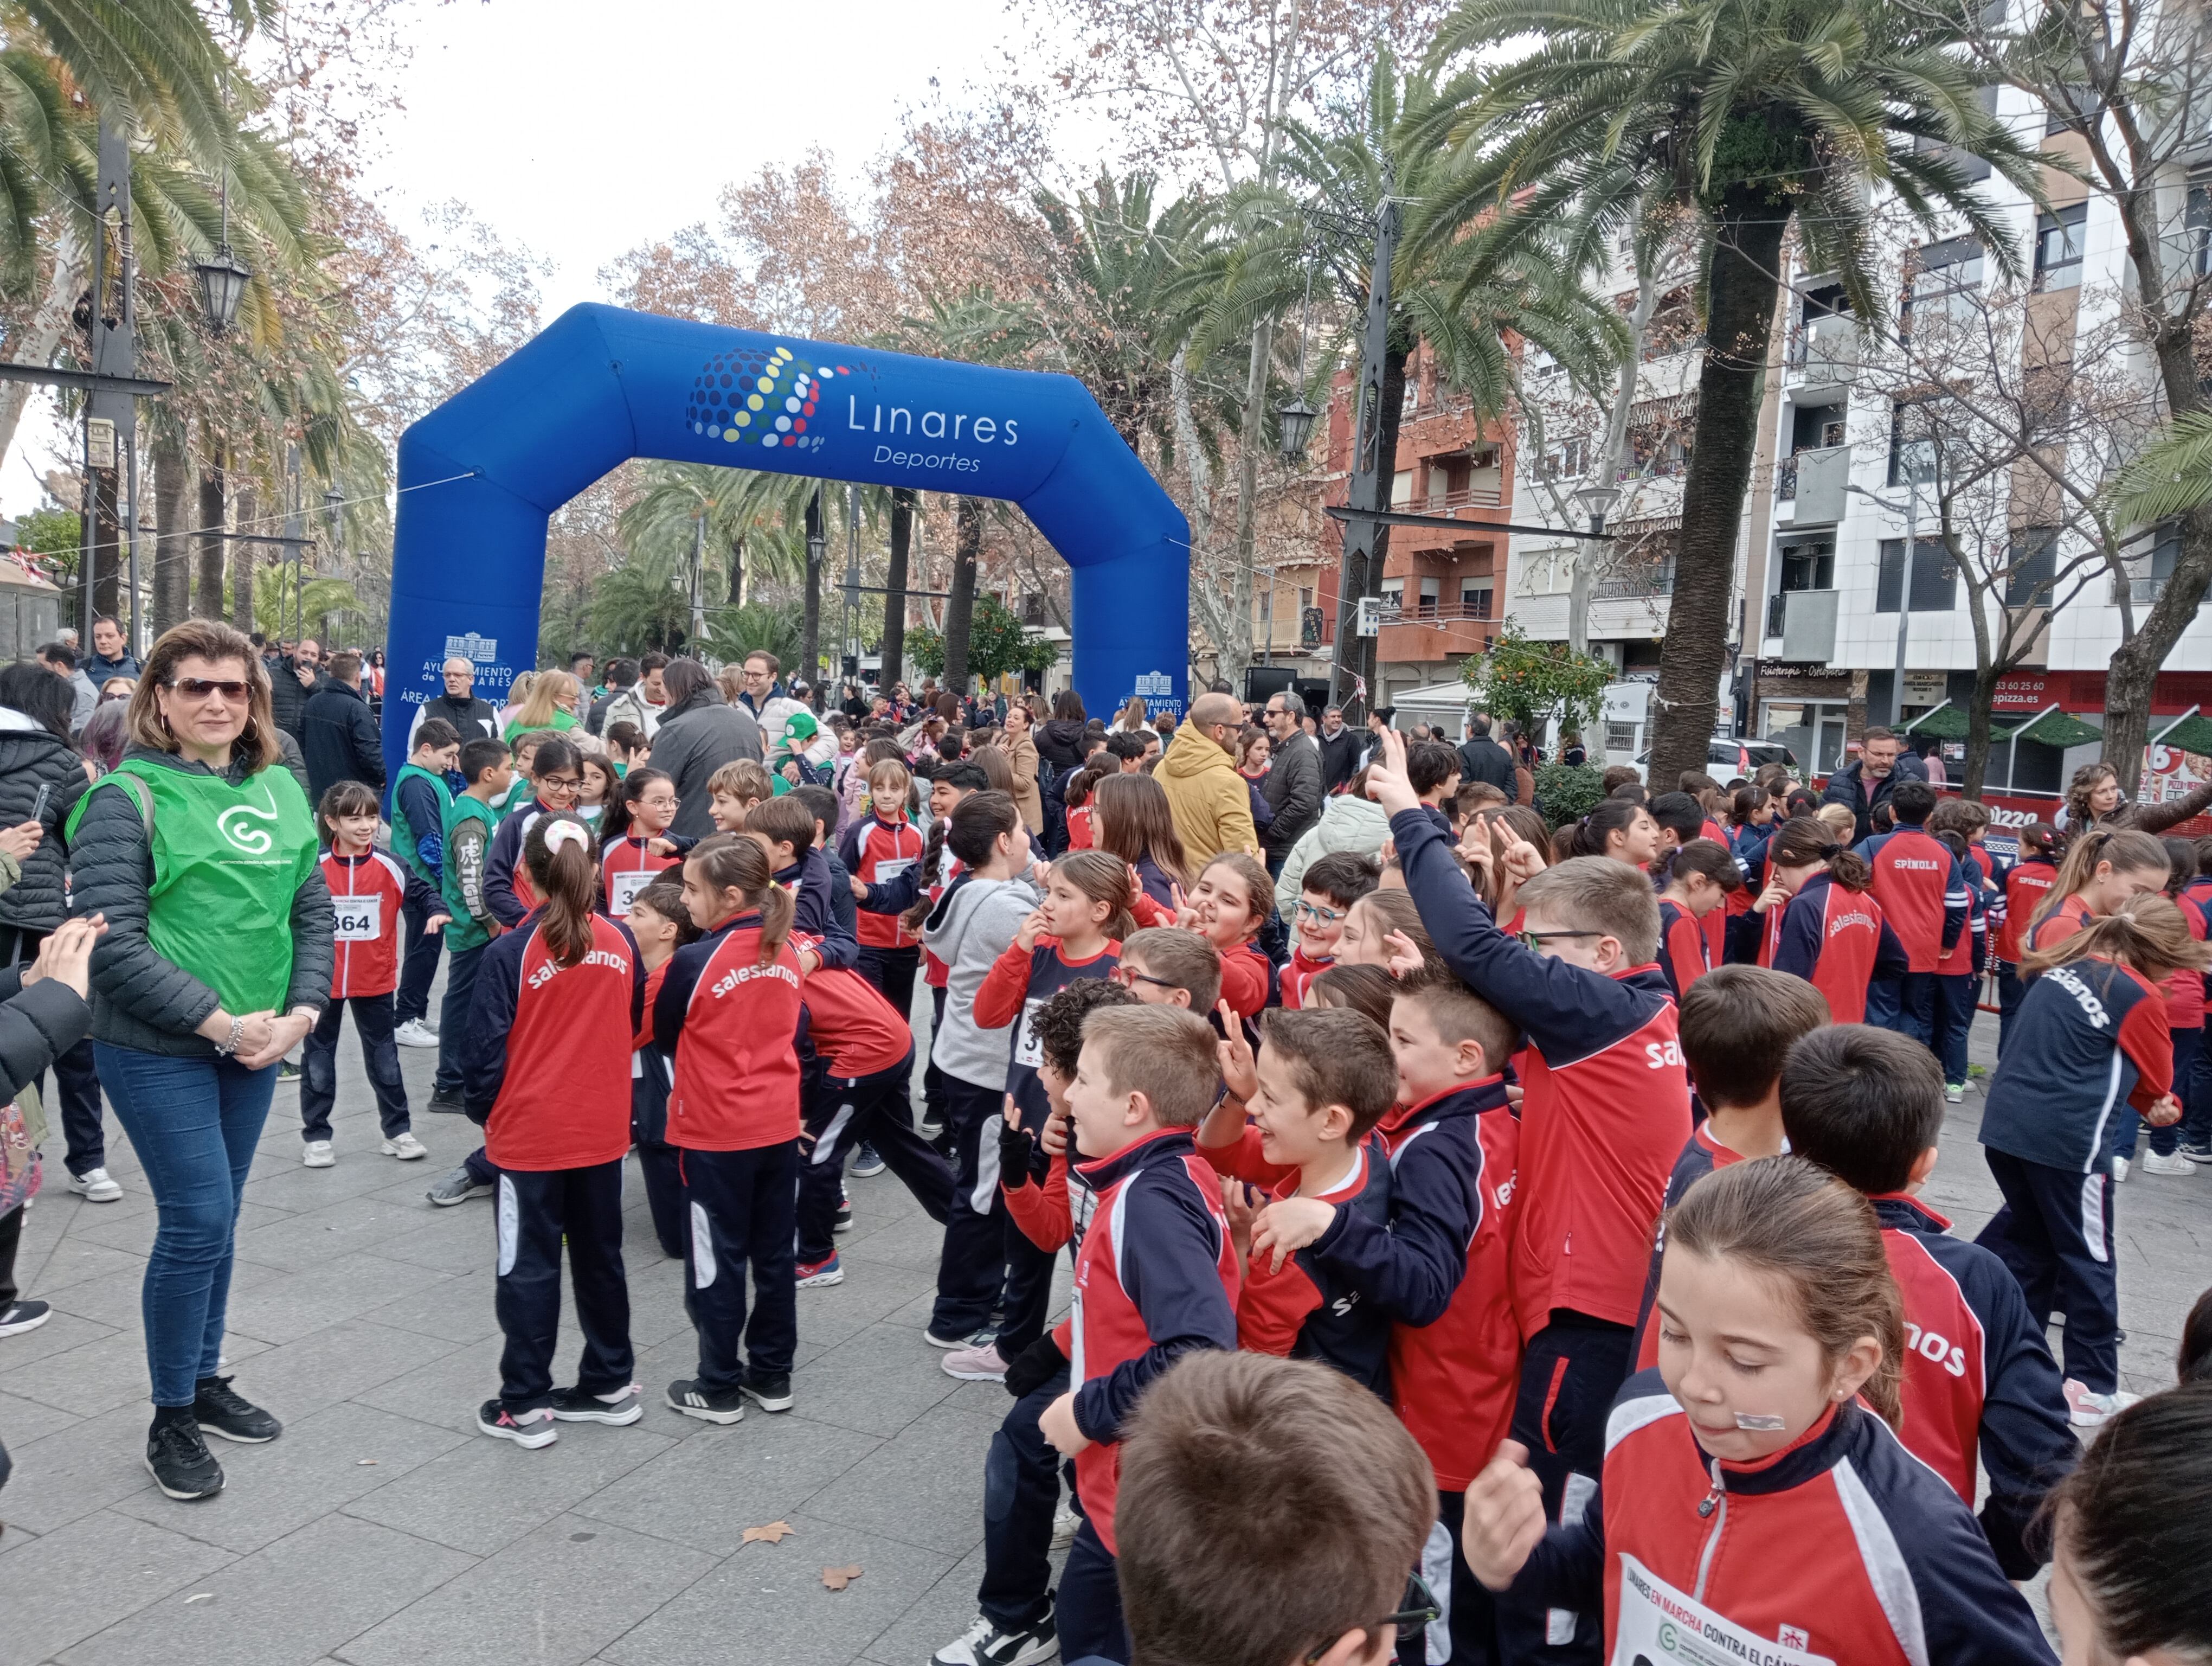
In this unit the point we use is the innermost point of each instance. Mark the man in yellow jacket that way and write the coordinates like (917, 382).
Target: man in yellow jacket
(1210, 801)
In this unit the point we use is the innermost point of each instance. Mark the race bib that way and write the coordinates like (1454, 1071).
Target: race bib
(1027, 1049)
(357, 918)
(1658, 1626)
(887, 871)
(623, 890)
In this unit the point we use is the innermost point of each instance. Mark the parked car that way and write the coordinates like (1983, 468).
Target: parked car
(1727, 759)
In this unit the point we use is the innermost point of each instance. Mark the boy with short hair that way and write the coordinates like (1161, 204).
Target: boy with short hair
(420, 794)
(1326, 890)
(470, 824)
(1738, 1025)
(1441, 1272)
(790, 827)
(1305, 1465)
(1473, 798)
(1170, 966)
(823, 804)
(1156, 1278)
(733, 790)
(1867, 1105)
(1432, 768)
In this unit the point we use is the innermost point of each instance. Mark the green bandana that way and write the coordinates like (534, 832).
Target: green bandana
(227, 861)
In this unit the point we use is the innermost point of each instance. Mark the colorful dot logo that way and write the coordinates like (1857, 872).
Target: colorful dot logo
(763, 396)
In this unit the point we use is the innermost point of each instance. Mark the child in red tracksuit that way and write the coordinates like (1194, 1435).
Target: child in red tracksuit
(1227, 906)
(1702, 876)
(1821, 923)
(728, 1016)
(1755, 1496)
(876, 848)
(1978, 1375)
(660, 924)
(1157, 1276)
(1326, 890)
(1440, 1272)
(2026, 884)
(368, 892)
(635, 847)
(546, 1074)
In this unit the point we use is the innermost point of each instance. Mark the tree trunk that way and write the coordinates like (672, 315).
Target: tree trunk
(1740, 322)
(243, 557)
(960, 611)
(173, 553)
(1236, 652)
(208, 605)
(893, 653)
(43, 335)
(810, 631)
(1977, 767)
(737, 572)
(2132, 677)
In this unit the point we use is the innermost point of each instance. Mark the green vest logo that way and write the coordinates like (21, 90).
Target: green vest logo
(253, 841)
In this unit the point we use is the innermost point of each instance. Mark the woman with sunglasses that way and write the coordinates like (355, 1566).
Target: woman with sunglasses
(199, 848)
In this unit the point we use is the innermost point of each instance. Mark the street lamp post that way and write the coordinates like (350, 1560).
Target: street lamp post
(1904, 580)
(1596, 501)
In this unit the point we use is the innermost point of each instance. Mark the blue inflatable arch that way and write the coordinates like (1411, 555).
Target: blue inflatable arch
(480, 477)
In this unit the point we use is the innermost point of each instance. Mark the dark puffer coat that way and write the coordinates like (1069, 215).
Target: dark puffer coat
(33, 760)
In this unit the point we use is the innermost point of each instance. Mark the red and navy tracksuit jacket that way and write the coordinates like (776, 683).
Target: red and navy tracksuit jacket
(1686, 952)
(367, 893)
(1155, 1280)
(1966, 957)
(729, 1025)
(1297, 975)
(1923, 892)
(2185, 989)
(1015, 987)
(1978, 1377)
(506, 884)
(627, 868)
(875, 852)
(1842, 1547)
(547, 1059)
(2090, 1039)
(849, 1023)
(808, 881)
(1606, 1107)
(1699, 1159)
(2026, 884)
(1714, 926)
(1443, 1273)
(1838, 940)
(2061, 923)
(1310, 1311)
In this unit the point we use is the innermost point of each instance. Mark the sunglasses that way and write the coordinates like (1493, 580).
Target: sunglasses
(1420, 1610)
(199, 688)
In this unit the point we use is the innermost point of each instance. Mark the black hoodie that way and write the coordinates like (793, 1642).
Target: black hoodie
(41, 778)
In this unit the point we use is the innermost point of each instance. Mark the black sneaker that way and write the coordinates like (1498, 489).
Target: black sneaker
(179, 1462)
(984, 1644)
(581, 1406)
(685, 1395)
(770, 1393)
(19, 1317)
(448, 1100)
(221, 1411)
(2195, 1150)
(844, 1222)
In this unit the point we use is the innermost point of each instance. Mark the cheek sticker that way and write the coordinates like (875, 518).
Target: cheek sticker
(1761, 1422)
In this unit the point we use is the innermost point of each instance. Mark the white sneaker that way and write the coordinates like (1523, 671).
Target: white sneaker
(406, 1148)
(2088, 1409)
(1954, 1092)
(415, 1033)
(2119, 1170)
(95, 1186)
(976, 1364)
(1064, 1521)
(2168, 1163)
(319, 1155)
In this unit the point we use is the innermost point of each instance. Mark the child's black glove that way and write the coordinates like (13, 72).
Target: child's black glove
(1035, 1366)
(1015, 1145)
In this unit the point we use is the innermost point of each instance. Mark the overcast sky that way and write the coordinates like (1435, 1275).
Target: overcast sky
(582, 130)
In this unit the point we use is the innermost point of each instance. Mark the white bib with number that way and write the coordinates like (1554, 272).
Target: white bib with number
(1658, 1626)
(357, 918)
(623, 890)
(887, 871)
(1027, 1049)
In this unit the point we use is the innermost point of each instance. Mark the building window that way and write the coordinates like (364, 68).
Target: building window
(1809, 566)
(2058, 247)
(2031, 565)
(1431, 593)
(1401, 488)
(1935, 577)
(1568, 460)
(1943, 288)
(1393, 597)
(1266, 599)
(1305, 597)
(1916, 440)
(1973, 166)
(2197, 220)
(1474, 599)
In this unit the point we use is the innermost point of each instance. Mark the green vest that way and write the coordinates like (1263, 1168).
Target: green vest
(403, 831)
(227, 861)
(464, 932)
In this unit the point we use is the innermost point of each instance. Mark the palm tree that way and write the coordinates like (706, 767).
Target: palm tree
(1758, 116)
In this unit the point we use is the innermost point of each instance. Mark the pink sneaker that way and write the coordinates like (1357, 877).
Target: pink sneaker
(2088, 1409)
(981, 1365)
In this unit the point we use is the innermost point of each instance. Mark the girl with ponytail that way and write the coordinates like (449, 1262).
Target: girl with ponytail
(546, 1069)
(2027, 882)
(1621, 829)
(2103, 869)
(1754, 1483)
(1820, 921)
(728, 1019)
(2091, 1048)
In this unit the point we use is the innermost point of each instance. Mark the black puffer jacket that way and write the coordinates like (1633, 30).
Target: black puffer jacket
(139, 999)
(37, 1026)
(1060, 742)
(31, 758)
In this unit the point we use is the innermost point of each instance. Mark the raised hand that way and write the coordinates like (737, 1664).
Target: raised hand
(1238, 1069)
(1505, 1520)
(1033, 923)
(1386, 783)
(1405, 955)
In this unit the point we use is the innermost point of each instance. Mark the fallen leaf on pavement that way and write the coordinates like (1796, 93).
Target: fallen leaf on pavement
(200, 1597)
(772, 1534)
(836, 1578)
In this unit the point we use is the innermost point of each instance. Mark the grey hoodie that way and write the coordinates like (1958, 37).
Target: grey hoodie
(968, 929)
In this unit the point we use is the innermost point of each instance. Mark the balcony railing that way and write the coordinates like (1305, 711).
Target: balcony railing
(1472, 496)
(1805, 622)
(1438, 612)
(1824, 351)
(1813, 481)
(1643, 579)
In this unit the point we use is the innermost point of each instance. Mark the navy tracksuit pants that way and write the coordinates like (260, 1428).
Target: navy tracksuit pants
(845, 1112)
(2011, 991)
(537, 1210)
(1021, 1489)
(2055, 1232)
(972, 1270)
(1955, 1000)
(1905, 1004)
(740, 1210)
(373, 1022)
(893, 972)
(418, 968)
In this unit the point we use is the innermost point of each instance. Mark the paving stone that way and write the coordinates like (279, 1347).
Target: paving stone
(447, 1390)
(98, 1375)
(925, 1488)
(69, 1260)
(334, 1364)
(66, 1475)
(317, 1465)
(705, 1492)
(282, 1605)
(361, 1168)
(871, 1291)
(877, 1382)
(82, 1577)
(789, 1618)
(916, 1241)
(486, 1494)
(940, 1613)
(457, 1307)
(134, 1232)
(353, 1225)
(557, 1596)
(25, 1420)
(283, 1307)
(62, 1332)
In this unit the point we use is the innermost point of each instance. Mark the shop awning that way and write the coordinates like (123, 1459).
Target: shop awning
(1946, 722)
(2192, 734)
(2060, 729)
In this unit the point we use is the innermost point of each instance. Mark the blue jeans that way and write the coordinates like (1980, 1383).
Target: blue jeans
(193, 1123)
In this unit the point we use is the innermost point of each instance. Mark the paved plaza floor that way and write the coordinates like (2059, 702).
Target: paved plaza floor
(382, 1530)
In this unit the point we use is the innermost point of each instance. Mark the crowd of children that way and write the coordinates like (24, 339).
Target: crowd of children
(1593, 1156)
